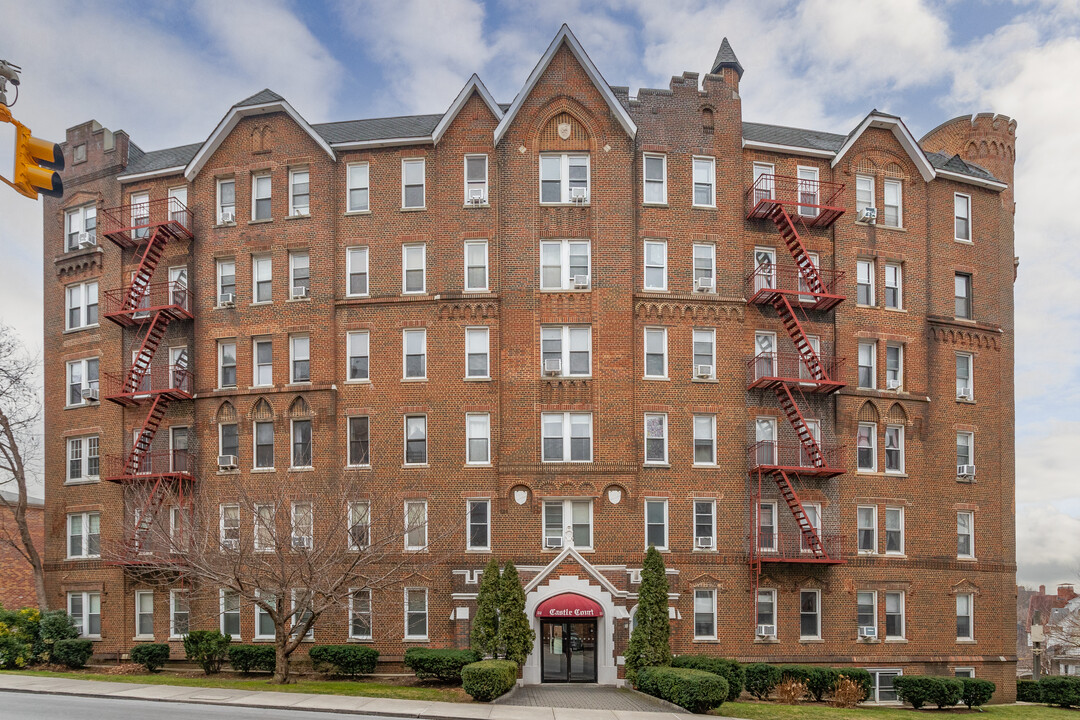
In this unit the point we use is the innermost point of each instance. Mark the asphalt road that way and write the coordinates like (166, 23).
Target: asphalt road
(41, 706)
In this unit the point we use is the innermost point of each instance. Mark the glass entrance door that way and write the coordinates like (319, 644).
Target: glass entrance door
(568, 651)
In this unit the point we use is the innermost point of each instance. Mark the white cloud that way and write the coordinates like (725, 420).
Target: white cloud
(1046, 545)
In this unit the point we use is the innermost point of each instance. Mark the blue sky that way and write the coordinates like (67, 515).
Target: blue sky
(167, 71)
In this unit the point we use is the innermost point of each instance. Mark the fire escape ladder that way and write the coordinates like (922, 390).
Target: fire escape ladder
(148, 262)
(791, 409)
(798, 337)
(144, 517)
(809, 532)
(795, 246)
(140, 365)
(141, 447)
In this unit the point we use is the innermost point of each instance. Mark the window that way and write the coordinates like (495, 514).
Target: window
(866, 442)
(358, 347)
(893, 215)
(655, 438)
(765, 440)
(303, 524)
(564, 178)
(767, 526)
(479, 525)
(413, 269)
(894, 366)
(864, 279)
(655, 174)
(84, 535)
(301, 443)
(359, 442)
(655, 265)
(704, 352)
(964, 385)
(565, 265)
(964, 603)
(357, 187)
(656, 353)
(230, 526)
(883, 690)
(359, 526)
(476, 353)
(226, 201)
(360, 614)
(301, 612)
(83, 461)
(965, 448)
(894, 449)
(704, 614)
(568, 519)
(810, 614)
(356, 261)
(809, 197)
(965, 534)
(476, 266)
(85, 609)
(412, 183)
(704, 439)
(78, 221)
(81, 303)
(704, 524)
(962, 217)
(416, 439)
(140, 215)
(262, 278)
(415, 524)
(704, 182)
(656, 524)
(230, 614)
(866, 611)
(764, 181)
(144, 614)
(82, 378)
(867, 528)
(299, 358)
(868, 365)
(264, 444)
(414, 353)
(894, 531)
(963, 295)
(705, 267)
(813, 516)
(263, 353)
(476, 180)
(416, 614)
(964, 672)
(226, 281)
(299, 192)
(260, 197)
(299, 275)
(478, 440)
(566, 350)
(766, 612)
(265, 531)
(894, 293)
(264, 624)
(894, 615)
(864, 194)
(179, 613)
(567, 437)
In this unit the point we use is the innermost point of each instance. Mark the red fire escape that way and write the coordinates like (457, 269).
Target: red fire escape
(794, 205)
(150, 384)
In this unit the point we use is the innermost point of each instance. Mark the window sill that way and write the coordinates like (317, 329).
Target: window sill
(224, 307)
(770, 640)
(86, 481)
(363, 296)
(895, 309)
(76, 558)
(230, 472)
(351, 213)
(565, 290)
(257, 303)
(706, 380)
(80, 405)
(478, 551)
(892, 228)
(477, 379)
(176, 638)
(706, 466)
(655, 465)
(890, 473)
(260, 222)
(966, 641)
(702, 207)
(655, 205)
(706, 641)
(302, 468)
(965, 320)
(896, 640)
(299, 300)
(415, 466)
(566, 204)
(655, 290)
(414, 380)
(963, 242)
(555, 551)
(866, 472)
(224, 225)
(962, 401)
(143, 639)
(360, 640)
(810, 641)
(415, 640)
(706, 550)
(476, 291)
(301, 216)
(478, 465)
(71, 331)
(358, 467)
(471, 206)
(966, 559)
(657, 378)
(413, 293)
(92, 638)
(414, 209)
(262, 470)
(298, 383)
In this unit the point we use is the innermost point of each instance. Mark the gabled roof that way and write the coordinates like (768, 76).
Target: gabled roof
(379, 131)
(725, 57)
(159, 162)
(571, 552)
(473, 85)
(784, 137)
(877, 119)
(565, 36)
(260, 103)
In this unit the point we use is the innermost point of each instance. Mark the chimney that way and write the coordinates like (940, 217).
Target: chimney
(1042, 589)
(1065, 592)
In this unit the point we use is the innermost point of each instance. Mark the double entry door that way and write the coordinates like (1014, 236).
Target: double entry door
(568, 651)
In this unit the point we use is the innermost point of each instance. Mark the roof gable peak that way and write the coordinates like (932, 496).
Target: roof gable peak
(877, 119)
(725, 57)
(474, 84)
(265, 95)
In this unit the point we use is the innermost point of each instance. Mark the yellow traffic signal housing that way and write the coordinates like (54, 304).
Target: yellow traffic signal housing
(36, 162)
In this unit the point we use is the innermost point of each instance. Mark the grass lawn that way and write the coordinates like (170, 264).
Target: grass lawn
(816, 711)
(361, 688)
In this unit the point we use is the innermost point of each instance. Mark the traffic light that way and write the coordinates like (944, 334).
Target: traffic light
(36, 162)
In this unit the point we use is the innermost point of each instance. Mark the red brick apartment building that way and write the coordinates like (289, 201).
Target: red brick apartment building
(17, 577)
(560, 330)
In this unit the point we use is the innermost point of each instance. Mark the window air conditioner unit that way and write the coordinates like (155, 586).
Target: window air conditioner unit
(477, 196)
(553, 542)
(703, 371)
(579, 195)
(301, 541)
(299, 211)
(965, 471)
(892, 384)
(766, 631)
(552, 367)
(703, 542)
(230, 544)
(226, 300)
(226, 462)
(89, 394)
(228, 216)
(868, 215)
(85, 240)
(581, 282)
(868, 631)
(704, 284)
(299, 292)
(964, 394)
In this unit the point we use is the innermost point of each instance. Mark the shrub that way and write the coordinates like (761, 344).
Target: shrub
(976, 692)
(730, 670)
(921, 689)
(946, 692)
(488, 679)
(847, 693)
(792, 692)
(14, 653)
(799, 673)
(484, 636)
(821, 682)
(860, 677)
(761, 678)
(442, 664)
(151, 656)
(516, 635)
(207, 648)
(25, 626)
(650, 640)
(344, 659)
(55, 625)
(696, 690)
(72, 653)
(245, 658)
(1060, 690)
(1028, 691)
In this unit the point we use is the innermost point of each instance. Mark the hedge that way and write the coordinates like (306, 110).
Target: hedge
(207, 648)
(14, 653)
(730, 670)
(245, 658)
(72, 653)
(697, 691)
(1028, 691)
(761, 678)
(151, 656)
(444, 664)
(488, 679)
(1060, 690)
(921, 689)
(977, 692)
(819, 681)
(344, 659)
(859, 676)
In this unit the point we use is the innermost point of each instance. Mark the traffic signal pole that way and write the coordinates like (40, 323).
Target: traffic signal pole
(37, 161)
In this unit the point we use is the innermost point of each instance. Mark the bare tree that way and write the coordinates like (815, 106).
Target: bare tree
(20, 411)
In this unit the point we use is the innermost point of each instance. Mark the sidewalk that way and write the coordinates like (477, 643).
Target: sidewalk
(11, 681)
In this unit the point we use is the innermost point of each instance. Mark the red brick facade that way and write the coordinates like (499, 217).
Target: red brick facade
(17, 579)
(566, 110)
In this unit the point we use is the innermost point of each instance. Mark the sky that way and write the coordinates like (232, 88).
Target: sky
(167, 71)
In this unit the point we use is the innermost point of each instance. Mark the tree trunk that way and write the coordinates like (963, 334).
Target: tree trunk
(14, 462)
(281, 657)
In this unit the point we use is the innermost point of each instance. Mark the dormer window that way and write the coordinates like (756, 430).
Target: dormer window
(564, 179)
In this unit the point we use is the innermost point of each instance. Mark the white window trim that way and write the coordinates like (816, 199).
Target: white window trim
(564, 346)
(645, 182)
(173, 635)
(309, 532)
(83, 305)
(971, 225)
(83, 384)
(873, 526)
(353, 546)
(405, 440)
(254, 196)
(873, 192)
(84, 460)
(349, 269)
(873, 282)
(772, 594)
(903, 531)
(712, 338)
(903, 615)
(217, 267)
(310, 634)
(899, 196)
(970, 384)
(84, 543)
(711, 247)
(487, 270)
(468, 525)
(970, 637)
(79, 212)
(370, 614)
(645, 431)
(564, 176)
(645, 266)
(349, 188)
(876, 689)
(465, 176)
(272, 530)
(293, 358)
(645, 345)
(404, 269)
(404, 162)
(292, 207)
(138, 594)
(775, 526)
(221, 522)
(259, 611)
(712, 505)
(481, 463)
(693, 448)
(819, 613)
(568, 522)
(902, 448)
(427, 615)
(404, 354)
(971, 535)
(873, 447)
(566, 280)
(85, 595)
(218, 205)
(221, 611)
(970, 444)
(487, 355)
(292, 445)
(348, 356)
(293, 254)
(874, 593)
(899, 284)
(712, 595)
(255, 365)
(255, 260)
(566, 437)
(900, 369)
(424, 525)
(873, 365)
(712, 163)
(667, 526)
(255, 445)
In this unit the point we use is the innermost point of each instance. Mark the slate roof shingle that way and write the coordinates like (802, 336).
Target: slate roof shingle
(161, 159)
(377, 128)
